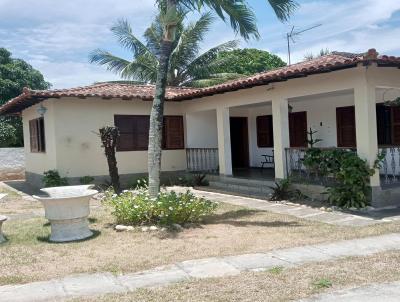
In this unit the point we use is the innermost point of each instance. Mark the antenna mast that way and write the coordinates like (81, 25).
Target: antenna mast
(290, 36)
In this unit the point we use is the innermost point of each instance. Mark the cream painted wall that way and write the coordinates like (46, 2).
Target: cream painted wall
(73, 147)
(201, 129)
(40, 162)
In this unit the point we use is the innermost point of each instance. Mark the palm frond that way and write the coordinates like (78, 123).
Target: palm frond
(123, 32)
(188, 43)
(113, 63)
(283, 8)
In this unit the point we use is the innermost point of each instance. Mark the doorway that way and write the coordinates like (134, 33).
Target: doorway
(239, 142)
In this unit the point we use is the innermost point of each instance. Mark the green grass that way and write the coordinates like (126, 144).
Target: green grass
(322, 283)
(276, 270)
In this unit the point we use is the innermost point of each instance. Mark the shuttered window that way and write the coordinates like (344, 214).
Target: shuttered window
(384, 124)
(395, 125)
(173, 133)
(265, 133)
(298, 129)
(134, 132)
(346, 127)
(37, 135)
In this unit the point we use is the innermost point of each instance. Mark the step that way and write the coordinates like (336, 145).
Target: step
(240, 189)
(242, 181)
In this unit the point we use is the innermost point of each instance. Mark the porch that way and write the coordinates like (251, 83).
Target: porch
(242, 135)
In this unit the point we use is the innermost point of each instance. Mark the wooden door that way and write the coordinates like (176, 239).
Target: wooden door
(298, 129)
(239, 142)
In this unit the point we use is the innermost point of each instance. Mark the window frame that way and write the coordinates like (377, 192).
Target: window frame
(38, 136)
(133, 146)
(268, 131)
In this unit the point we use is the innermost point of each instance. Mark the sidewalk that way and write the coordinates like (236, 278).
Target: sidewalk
(103, 283)
(302, 211)
(388, 292)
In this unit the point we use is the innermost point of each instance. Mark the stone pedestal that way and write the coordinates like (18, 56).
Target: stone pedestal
(67, 209)
(2, 219)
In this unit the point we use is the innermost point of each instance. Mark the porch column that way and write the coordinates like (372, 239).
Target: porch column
(366, 127)
(224, 142)
(280, 118)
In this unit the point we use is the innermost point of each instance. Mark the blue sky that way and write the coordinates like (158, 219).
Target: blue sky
(57, 36)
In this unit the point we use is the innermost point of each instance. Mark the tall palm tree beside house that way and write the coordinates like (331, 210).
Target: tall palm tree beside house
(186, 66)
(242, 20)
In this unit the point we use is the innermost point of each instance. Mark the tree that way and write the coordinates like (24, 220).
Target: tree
(15, 74)
(186, 66)
(242, 20)
(239, 63)
(109, 136)
(323, 52)
(249, 61)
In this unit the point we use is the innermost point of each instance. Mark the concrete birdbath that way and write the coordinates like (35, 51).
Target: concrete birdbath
(67, 209)
(2, 219)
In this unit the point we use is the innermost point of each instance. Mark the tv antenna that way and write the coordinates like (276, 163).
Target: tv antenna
(290, 36)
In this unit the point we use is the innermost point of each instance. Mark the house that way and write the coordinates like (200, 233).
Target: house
(226, 128)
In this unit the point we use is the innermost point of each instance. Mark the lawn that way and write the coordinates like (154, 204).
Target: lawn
(28, 256)
(274, 285)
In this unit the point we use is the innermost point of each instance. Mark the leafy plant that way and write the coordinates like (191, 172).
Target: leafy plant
(137, 208)
(310, 140)
(349, 173)
(276, 270)
(139, 183)
(322, 283)
(86, 180)
(52, 178)
(282, 191)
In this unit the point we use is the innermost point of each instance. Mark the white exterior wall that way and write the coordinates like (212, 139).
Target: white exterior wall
(201, 129)
(74, 148)
(40, 162)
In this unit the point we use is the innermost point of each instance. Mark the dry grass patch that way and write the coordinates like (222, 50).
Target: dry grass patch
(27, 256)
(286, 285)
(13, 203)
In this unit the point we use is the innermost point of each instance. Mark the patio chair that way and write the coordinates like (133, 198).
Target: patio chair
(268, 159)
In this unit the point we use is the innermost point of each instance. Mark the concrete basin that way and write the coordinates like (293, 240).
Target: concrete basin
(67, 209)
(2, 219)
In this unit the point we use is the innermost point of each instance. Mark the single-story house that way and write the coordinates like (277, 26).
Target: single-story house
(227, 128)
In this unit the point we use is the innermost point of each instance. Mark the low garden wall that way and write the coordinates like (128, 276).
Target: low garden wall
(12, 163)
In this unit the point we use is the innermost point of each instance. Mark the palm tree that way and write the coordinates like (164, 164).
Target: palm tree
(186, 67)
(242, 20)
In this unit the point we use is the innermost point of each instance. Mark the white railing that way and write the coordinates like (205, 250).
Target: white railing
(203, 160)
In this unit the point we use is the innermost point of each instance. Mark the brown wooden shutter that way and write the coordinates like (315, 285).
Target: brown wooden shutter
(265, 135)
(125, 126)
(395, 126)
(384, 124)
(346, 126)
(298, 129)
(173, 134)
(141, 127)
(33, 135)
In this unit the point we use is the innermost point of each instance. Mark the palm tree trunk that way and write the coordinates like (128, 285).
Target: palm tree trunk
(157, 111)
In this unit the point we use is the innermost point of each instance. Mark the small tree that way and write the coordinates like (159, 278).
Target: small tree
(109, 136)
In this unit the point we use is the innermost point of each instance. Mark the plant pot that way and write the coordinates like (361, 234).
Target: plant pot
(67, 209)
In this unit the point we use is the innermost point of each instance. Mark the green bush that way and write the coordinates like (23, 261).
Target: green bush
(283, 191)
(137, 208)
(86, 180)
(349, 175)
(52, 178)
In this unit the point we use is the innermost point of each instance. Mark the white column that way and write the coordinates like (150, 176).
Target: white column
(280, 117)
(224, 142)
(366, 128)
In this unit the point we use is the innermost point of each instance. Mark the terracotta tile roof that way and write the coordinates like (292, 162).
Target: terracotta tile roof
(102, 90)
(327, 63)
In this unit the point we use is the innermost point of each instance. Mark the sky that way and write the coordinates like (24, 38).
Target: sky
(56, 37)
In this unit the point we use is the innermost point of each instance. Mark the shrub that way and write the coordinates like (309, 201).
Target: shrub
(349, 174)
(282, 191)
(139, 183)
(52, 178)
(137, 208)
(86, 180)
